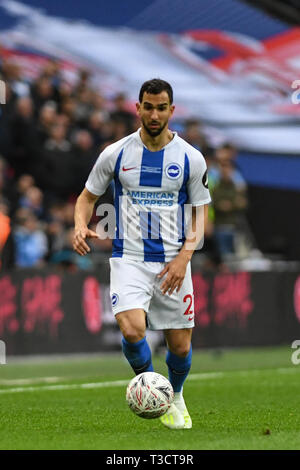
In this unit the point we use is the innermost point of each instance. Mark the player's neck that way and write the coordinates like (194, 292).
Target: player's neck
(154, 144)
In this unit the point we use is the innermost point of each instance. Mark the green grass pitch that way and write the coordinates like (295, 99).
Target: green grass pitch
(238, 399)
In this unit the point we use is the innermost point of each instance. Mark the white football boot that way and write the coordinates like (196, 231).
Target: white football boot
(181, 406)
(173, 418)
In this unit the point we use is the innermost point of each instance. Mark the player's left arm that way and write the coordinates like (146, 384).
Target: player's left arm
(176, 269)
(198, 198)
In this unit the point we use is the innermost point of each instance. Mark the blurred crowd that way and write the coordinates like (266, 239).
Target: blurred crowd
(51, 133)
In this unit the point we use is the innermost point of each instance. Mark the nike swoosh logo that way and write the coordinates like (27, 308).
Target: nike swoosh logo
(127, 169)
(191, 318)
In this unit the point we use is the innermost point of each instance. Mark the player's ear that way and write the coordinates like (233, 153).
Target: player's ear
(138, 107)
(172, 108)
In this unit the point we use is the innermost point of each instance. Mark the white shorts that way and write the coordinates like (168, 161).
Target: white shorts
(134, 284)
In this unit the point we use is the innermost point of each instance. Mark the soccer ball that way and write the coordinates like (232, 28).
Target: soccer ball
(149, 395)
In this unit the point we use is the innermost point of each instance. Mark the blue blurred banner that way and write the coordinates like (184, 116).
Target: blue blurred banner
(231, 66)
(112, 13)
(275, 171)
(172, 16)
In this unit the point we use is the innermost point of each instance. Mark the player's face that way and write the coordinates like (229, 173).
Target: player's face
(155, 112)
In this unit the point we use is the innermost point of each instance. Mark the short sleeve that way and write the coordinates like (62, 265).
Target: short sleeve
(102, 173)
(197, 185)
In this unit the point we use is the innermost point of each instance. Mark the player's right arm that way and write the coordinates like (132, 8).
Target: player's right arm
(83, 212)
(96, 185)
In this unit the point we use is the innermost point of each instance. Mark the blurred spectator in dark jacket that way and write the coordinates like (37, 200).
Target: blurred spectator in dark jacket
(68, 108)
(84, 107)
(56, 226)
(65, 91)
(210, 248)
(194, 136)
(95, 124)
(229, 201)
(24, 148)
(6, 180)
(228, 153)
(120, 130)
(69, 214)
(56, 174)
(42, 91)
(100, 104)
(52, 71)
(46, 120)
(85, 156)
(121, 113)
(64, 120)
(6, 113)
(83, 82)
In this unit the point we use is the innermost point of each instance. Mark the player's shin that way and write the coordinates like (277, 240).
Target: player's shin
(178, 368)
(138, 355)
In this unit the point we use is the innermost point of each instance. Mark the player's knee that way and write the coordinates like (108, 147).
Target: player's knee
(130, 331)
(133, 335)
(181, 350)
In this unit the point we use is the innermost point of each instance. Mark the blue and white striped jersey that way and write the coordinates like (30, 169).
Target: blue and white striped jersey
(151, 190)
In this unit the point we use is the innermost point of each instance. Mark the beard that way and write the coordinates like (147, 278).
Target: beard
(154, 132)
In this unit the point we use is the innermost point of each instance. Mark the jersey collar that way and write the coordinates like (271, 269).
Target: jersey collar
(172, 142)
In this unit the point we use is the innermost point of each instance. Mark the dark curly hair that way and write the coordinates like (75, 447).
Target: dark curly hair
(154, 87)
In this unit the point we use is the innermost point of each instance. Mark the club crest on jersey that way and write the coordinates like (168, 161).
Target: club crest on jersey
(173, 171)
(114, 299)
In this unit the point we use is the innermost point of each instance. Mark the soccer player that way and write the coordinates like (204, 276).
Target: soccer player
(156, 173)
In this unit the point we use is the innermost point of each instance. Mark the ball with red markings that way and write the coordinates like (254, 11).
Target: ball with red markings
(149, 395)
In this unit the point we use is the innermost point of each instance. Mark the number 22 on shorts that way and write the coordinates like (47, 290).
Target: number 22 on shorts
(189, 311)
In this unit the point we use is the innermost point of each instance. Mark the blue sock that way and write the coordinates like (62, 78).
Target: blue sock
(179, 368)
(138, 355)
